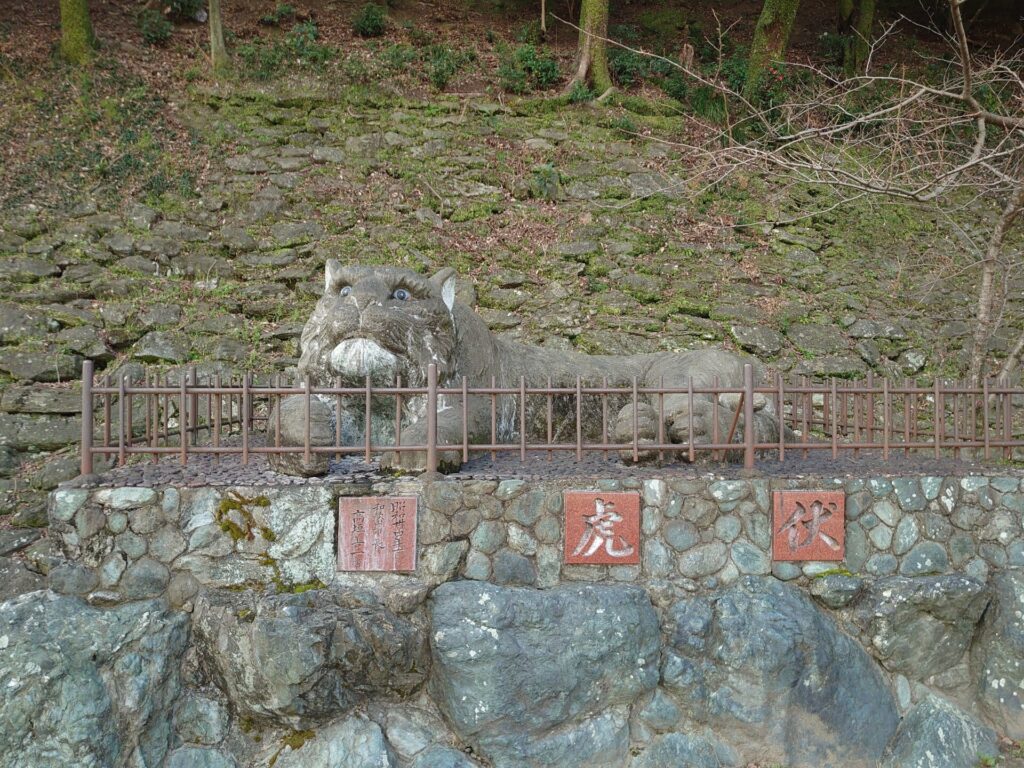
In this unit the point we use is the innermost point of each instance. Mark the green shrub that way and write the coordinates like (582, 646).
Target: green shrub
(580, 92)
(675, 86)
(630, 68)
(370, 21)
(734, 70)
(260, 59)
(442, 63)
(832, 47)
(626, 125)
(525, 69)
(155, 28)
(625, 33)
(530, 33)
(707, 103)
(185, 9)
(354, 69)
(543, 69)
(419, 37)
(301, 43)
(263, 59)
(512, 78)
(545, 183)
(282, 13)
(398, 57)
(664, 24)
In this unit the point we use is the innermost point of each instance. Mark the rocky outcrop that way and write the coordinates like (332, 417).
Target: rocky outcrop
(997, 655)
(693, 751)
(577, 675)
(351, 743)
(543, 678)
(300, 659)
(921, 626)
(936, 734)
(85, 686)
(607, 666)
(16, 579)
(200, 757)
(759, 664)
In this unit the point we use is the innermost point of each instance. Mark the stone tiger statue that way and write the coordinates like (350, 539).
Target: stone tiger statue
(385, 322)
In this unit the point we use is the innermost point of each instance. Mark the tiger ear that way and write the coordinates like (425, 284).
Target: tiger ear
(445, 279)
(448, 293)
(332, 271)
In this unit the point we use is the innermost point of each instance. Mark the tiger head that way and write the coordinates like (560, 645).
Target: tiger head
(381, 322)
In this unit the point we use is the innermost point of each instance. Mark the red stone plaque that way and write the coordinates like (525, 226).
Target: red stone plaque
(809, 525)
(377, 533)
(602, 528)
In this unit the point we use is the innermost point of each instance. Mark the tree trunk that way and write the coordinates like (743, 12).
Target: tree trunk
(1011, 365)
(76, 38)
(987, 291)
(592, 57)
(855, 23)
(847, 20)
(543, 18)
(771, 38)
(218, 51)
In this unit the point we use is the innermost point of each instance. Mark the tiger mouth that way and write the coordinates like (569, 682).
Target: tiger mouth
(359, 358)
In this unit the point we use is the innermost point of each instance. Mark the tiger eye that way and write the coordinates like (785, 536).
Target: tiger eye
(345, 291)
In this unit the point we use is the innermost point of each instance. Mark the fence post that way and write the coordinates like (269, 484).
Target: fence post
(183, 417)
(193, 407)
(306, 454)
(432, 418)
(244, 417)
(87, 372)
(121, 420)
(1008, 420)
(368, 420)
(748, 416)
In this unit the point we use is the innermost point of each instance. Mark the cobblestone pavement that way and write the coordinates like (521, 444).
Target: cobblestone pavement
(205, 470)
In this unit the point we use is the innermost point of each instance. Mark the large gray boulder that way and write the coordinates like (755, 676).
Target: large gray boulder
(543, 678)
(763, 667)
(16, 579)
(351, 743)
(937, 734)
(200, 757)
(300, 659)
(920, 626)
(687, 751)
(87, 687)
(439, 756)
(997, 655)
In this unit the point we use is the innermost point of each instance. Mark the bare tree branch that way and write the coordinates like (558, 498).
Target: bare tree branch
(930, 142)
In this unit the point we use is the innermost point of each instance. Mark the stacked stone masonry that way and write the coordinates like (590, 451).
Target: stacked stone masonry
(698, 533)
(495, 653)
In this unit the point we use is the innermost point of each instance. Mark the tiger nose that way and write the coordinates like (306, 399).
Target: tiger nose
(364, 298)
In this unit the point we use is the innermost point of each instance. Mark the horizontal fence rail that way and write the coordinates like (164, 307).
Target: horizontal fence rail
(160, 417)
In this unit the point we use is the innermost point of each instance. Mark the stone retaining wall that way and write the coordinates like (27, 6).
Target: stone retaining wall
(705, 654)
(701, 533)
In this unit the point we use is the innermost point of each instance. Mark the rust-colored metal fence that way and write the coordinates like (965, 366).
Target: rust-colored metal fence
(160, 417)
